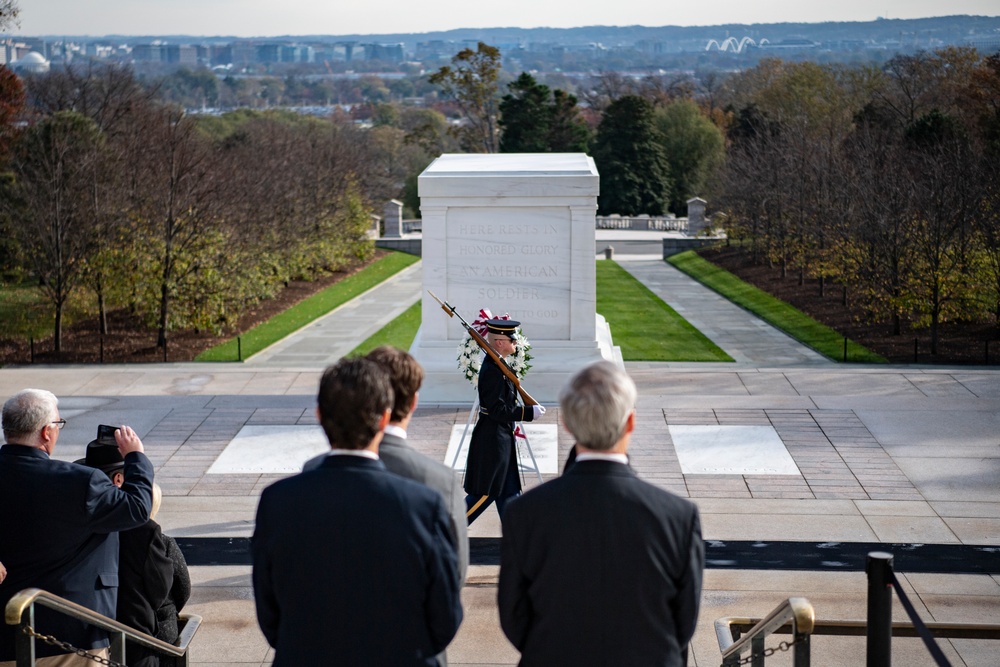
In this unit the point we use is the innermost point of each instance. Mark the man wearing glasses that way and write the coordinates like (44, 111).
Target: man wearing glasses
(59, 524)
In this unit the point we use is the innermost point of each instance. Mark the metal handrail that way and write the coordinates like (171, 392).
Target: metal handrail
(735, 632)
(20, 610)
(857, 628)
(797, 612)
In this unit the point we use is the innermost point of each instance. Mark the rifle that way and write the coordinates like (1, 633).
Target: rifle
(488, 349)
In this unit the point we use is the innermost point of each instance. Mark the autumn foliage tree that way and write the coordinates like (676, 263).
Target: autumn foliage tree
(472, 80)
(884, 179)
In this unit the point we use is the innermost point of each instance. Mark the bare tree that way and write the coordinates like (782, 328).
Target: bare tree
(9, 13)
(51, 193)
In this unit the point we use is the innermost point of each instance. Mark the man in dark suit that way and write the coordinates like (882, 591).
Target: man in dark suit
(598, 567)
(59, 521)
(491, 472)
(406, 376)
(353, 565)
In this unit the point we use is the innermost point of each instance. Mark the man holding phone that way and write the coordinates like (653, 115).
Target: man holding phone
(60, 523)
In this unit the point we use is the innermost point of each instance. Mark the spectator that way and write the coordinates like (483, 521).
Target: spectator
(598, 567)
(353, 565)
(153, 579)
(406, 376)
(66, 519)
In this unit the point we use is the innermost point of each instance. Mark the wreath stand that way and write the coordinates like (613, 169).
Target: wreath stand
(527, 443)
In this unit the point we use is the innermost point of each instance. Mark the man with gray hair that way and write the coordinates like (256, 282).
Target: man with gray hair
(59, 523)
(598, 567)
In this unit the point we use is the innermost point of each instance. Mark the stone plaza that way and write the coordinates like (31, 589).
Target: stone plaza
(808, 457)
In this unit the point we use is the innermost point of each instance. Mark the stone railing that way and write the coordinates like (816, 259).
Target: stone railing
(642, 223)
(636, 223)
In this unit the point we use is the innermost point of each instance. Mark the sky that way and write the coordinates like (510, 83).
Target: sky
(267, 18)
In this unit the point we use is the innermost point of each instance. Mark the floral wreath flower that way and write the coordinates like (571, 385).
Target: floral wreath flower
(470, 356)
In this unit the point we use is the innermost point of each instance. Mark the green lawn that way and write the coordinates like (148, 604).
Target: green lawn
(644, 326)
(25, 312)
(307, 310)
(776, 312)
(659, 335)
(398, 333)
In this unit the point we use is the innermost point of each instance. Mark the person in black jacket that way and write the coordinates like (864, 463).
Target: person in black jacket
(153, 579)
(491, 471)
(154, 586)
(598, 567)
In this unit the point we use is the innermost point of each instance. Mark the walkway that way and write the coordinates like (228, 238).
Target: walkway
(744, 337)
(334, 335)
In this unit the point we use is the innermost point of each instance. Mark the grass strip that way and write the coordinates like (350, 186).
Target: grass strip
(398, 333)
(772, 310)
(307, 310)
(25, 312)
(659, 335)
(644, 326)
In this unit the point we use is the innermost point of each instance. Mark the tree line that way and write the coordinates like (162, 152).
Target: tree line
(884, 180)
(185, 221)
(880, 178)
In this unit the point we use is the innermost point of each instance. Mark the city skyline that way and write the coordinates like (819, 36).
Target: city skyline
(260, 18)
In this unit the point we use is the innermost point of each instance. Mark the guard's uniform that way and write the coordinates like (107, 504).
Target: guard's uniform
(491, 472)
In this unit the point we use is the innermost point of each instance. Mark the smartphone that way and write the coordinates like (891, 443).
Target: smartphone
(106, 434)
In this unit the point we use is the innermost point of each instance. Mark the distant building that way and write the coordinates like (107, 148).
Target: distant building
(148, 53)
(385, 52)
(295, 53)
(243, 54)
(32, 63)
(792, 43)
(181, 54)
(985, 44)
(269, 53)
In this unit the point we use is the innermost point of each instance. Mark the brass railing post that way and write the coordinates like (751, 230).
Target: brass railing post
(24, 644)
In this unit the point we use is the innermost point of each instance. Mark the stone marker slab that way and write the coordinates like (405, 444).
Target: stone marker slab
(731, 450)
(543, 438)
(514, 234)
(270, 449)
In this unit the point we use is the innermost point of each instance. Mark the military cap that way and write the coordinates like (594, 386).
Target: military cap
(502, 327)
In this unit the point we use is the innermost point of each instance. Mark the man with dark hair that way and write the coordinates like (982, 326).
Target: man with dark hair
(598, 567)
(406, 376)
(60, 522)
(353, 565)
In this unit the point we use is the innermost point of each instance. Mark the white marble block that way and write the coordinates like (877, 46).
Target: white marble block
(513, 233)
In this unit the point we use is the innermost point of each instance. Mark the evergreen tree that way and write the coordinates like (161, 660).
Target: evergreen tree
(525, 116)
(536, 119)
(568, 132)
(628, 151)
(694, 146)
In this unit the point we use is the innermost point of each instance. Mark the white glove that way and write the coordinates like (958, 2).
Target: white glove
(537, 411)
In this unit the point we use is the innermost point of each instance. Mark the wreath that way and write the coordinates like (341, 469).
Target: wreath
(470, 356)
